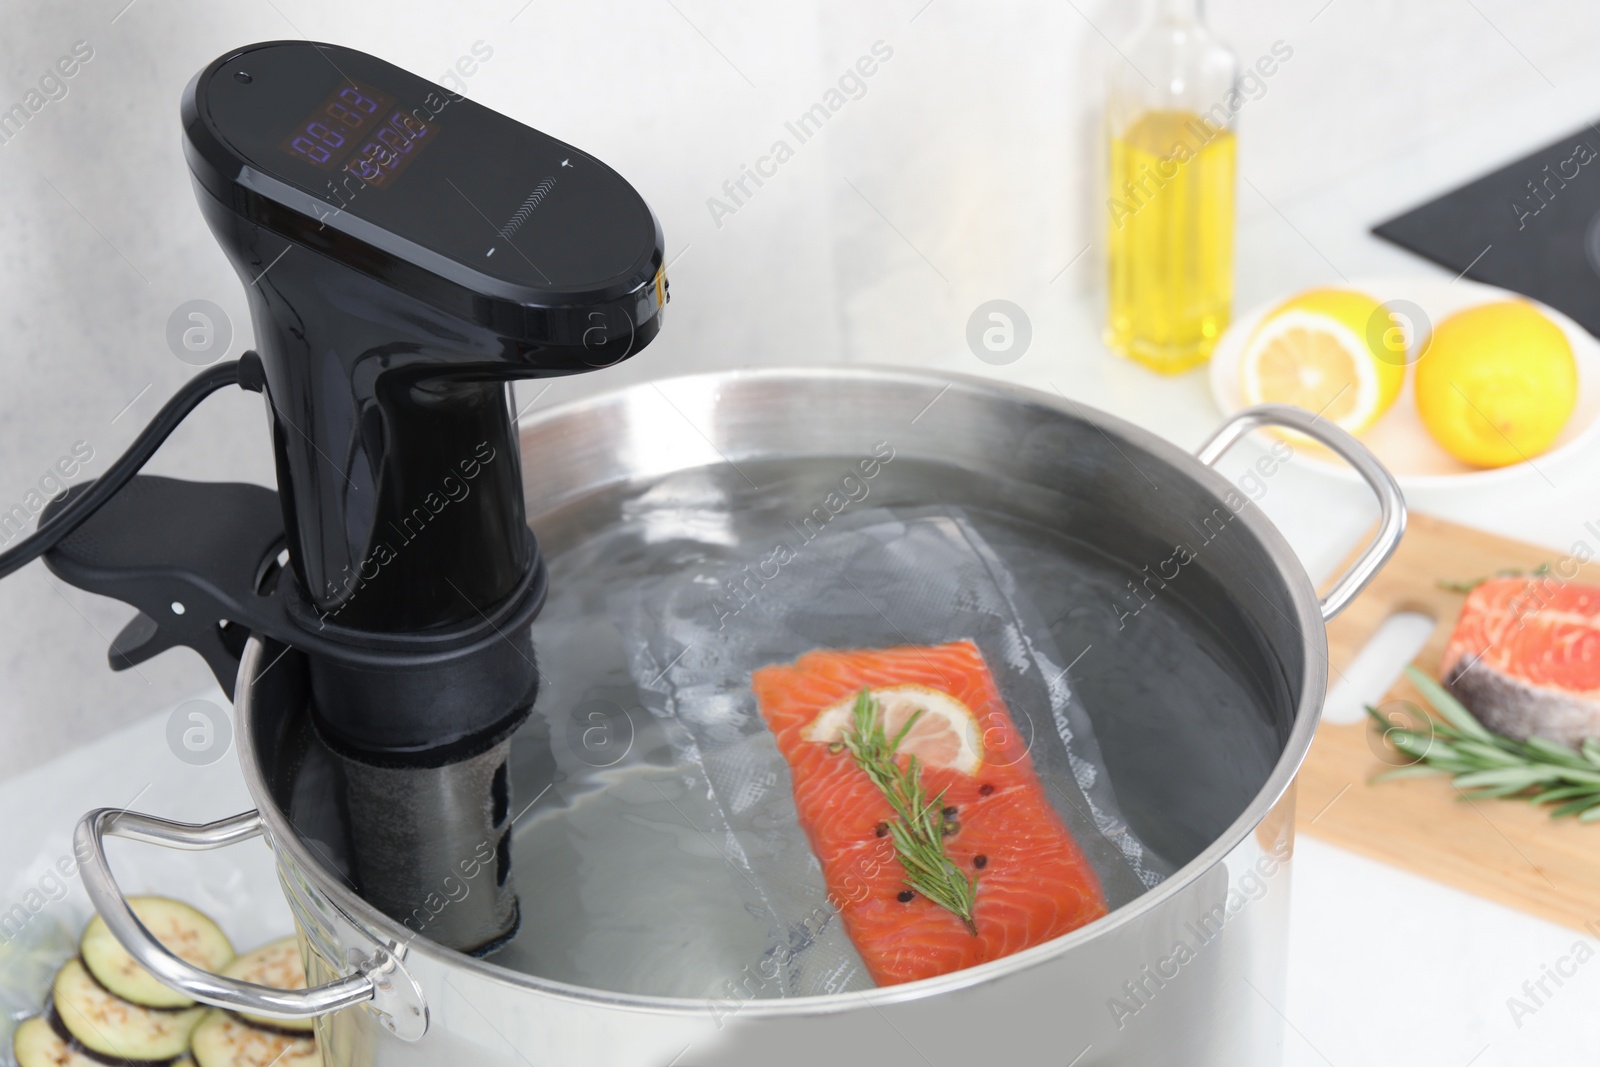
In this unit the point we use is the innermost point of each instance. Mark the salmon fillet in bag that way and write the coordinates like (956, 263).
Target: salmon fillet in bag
(1006, 873)
(894, 615)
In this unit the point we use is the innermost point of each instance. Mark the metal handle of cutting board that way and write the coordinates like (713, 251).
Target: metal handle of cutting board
(1391, 502)
(374, 981)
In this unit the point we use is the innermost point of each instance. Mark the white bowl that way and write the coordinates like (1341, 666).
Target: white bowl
(1398, 438)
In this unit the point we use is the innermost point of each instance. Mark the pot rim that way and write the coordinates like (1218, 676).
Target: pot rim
(282, 835)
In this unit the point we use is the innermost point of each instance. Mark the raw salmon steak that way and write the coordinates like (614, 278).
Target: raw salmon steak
(1033, 882)
(1525, 658)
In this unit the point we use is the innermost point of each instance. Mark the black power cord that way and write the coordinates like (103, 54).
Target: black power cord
(244, 371)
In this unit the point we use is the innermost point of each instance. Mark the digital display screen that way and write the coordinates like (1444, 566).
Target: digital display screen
(359, 130)
(497, 199)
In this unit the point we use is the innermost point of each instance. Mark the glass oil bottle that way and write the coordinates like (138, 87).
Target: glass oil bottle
(1170, 107)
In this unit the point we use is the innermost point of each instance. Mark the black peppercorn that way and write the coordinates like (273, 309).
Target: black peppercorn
(881, 830)
(980, 862)
(986, 790)
(905, 896)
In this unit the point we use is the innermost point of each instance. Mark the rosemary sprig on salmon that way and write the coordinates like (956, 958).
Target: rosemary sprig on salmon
(920, 826)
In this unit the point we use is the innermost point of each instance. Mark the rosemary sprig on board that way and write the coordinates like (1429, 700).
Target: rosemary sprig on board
(1485, 764)
(918, 829)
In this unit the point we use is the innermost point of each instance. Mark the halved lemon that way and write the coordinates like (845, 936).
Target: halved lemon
(1336, 353)
(945, 735)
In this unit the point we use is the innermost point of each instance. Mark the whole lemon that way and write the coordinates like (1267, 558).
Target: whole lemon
(1497, 383)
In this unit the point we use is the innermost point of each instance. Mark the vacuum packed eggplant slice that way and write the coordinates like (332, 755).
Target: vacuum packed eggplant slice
(104, 1023)
(185, 931)
(225, 1040)
(39, 1042)
(276, 964)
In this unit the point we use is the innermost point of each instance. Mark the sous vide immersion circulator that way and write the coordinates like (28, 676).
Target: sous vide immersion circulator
(406, 254)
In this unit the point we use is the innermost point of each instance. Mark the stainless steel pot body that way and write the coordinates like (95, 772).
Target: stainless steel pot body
(1190, 973)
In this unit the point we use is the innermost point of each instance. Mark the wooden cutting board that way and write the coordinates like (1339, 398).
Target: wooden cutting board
(1507, 851)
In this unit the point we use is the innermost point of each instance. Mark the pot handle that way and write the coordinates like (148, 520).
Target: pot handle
(1391, 501)
(379, 979)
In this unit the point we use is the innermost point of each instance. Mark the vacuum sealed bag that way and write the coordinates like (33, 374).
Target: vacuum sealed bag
(800, 690)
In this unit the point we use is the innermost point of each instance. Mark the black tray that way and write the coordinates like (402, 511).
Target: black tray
(1524, 227)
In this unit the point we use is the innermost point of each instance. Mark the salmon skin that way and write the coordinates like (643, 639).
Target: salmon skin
(1033, 882)
(1525, 658)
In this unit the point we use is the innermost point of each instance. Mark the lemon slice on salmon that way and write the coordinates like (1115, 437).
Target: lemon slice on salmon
(1335, 353)
(946, 734)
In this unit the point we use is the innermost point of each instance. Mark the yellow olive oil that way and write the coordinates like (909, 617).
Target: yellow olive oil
(1170, 208)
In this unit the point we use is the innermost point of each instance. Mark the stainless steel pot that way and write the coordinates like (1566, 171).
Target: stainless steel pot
(1192, 972)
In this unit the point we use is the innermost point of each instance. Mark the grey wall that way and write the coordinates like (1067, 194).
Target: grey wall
(964, 172)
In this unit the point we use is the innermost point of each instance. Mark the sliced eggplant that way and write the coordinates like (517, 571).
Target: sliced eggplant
(105, 1024)
(225, 1040)
(276, 964)
(185, 931)
(36, 1044)
(41, 1042)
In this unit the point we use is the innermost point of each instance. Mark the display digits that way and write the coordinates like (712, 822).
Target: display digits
(396, 140)
(330, 137)
(356, 98)
(391, 148)
(311, 150)
(339, 123)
